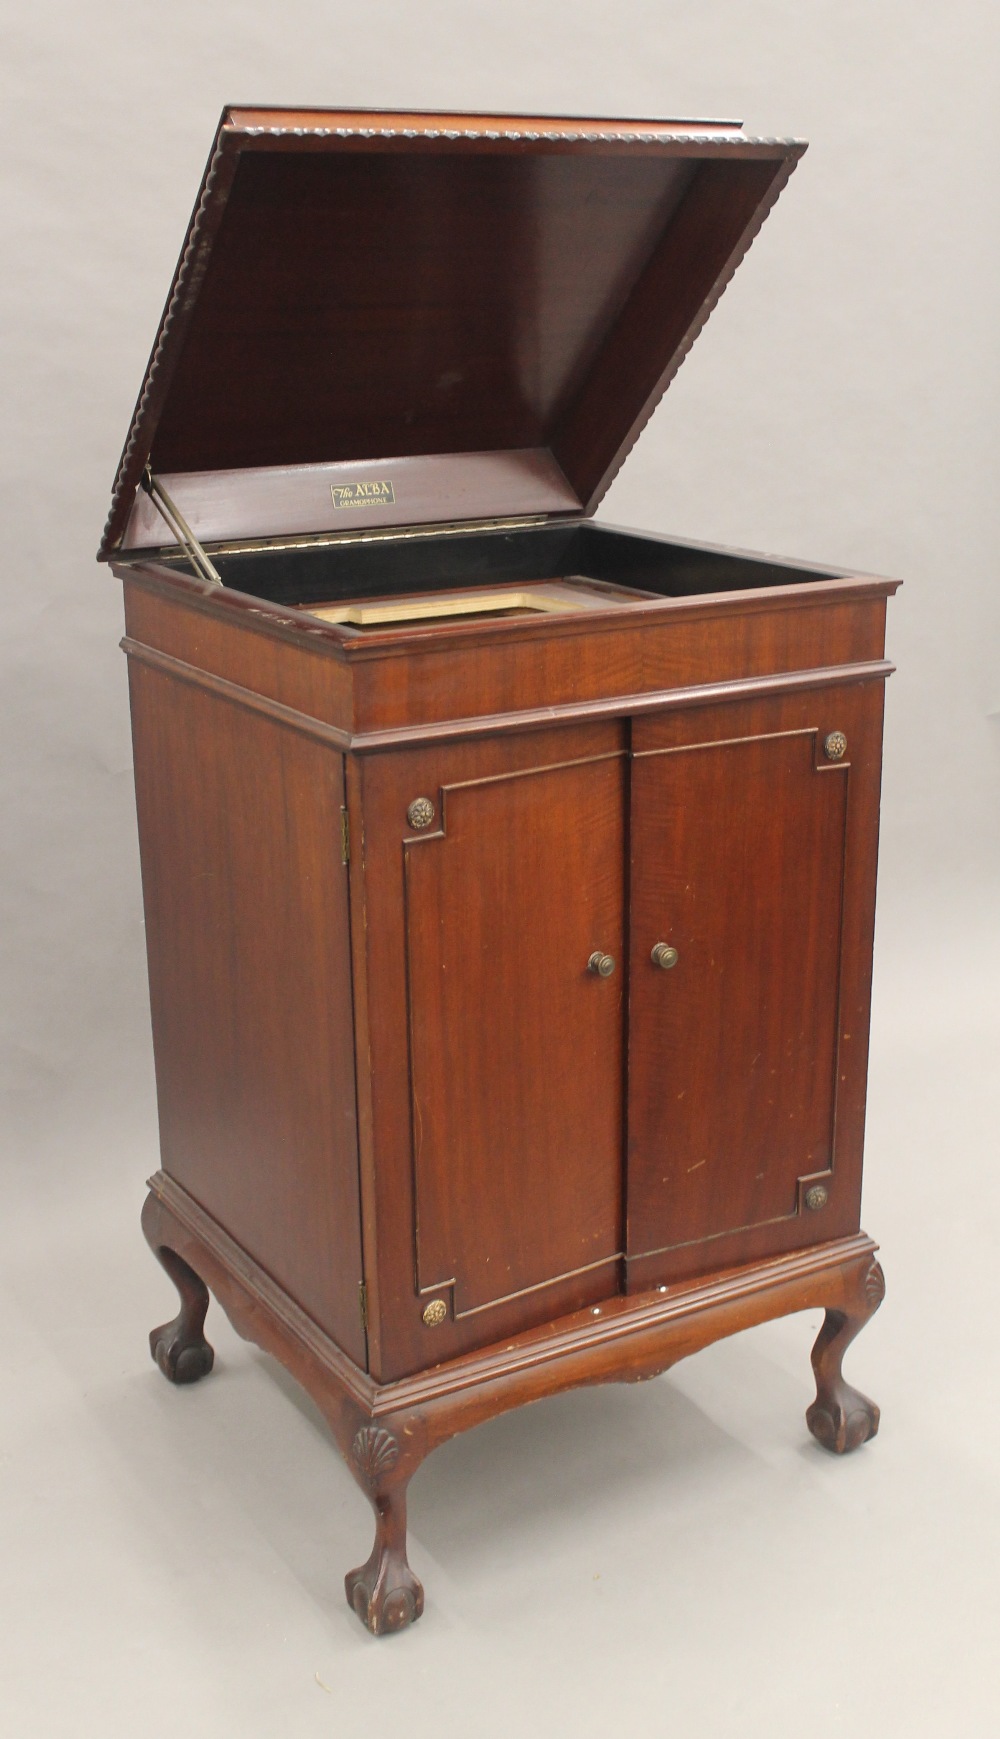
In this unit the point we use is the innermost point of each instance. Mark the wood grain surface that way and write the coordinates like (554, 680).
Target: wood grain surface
(351, 293)
(516, 1048)
(436, 1127)
(493, 1058)
(247, 936)
(385, 1431)
(754, 855)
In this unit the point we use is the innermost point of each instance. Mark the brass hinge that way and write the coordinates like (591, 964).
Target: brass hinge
(363, 1304)
(345, 836)
(330, 539)
(439, 528)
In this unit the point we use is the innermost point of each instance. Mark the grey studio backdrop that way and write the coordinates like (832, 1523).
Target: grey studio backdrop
(677, 1554)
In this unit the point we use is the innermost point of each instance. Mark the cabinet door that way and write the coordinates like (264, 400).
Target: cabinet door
(514, 1050)
(753, 836)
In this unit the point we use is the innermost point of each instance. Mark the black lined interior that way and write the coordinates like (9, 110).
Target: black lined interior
(315, 574)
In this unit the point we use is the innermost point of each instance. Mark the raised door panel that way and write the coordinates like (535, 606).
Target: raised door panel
(492, 1105)
(515, 1043)
(751, 858)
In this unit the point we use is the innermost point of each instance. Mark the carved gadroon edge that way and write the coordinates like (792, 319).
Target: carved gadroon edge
(375, 1451)
(528, 135)
(190, 269)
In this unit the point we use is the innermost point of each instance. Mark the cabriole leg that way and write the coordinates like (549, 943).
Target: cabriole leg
(840, 1418)
(179, 1347)
(384, 1592)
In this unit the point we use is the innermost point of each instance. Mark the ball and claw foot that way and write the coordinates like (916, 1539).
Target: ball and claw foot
(384, 1593)
(181, 1358)
(843, 1420)
(840, 1418)
(179, 1347)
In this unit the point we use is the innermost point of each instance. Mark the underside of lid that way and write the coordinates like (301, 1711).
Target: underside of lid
(391, 320)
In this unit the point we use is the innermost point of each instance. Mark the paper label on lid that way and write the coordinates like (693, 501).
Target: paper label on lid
(362, 494)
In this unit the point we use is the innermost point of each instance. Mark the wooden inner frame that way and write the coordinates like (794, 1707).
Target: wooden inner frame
(570, 595)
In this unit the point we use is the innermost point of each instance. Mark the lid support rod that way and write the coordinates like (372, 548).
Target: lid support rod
(171, 514)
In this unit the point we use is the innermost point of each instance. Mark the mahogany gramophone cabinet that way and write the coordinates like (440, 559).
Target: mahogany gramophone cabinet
(509, 878)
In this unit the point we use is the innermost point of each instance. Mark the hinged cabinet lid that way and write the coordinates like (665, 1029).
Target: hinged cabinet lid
(402, 319)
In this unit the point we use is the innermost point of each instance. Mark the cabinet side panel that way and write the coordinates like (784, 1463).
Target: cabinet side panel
(250, 985)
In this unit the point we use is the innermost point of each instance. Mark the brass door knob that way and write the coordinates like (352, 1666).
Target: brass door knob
(602, 964)
(664, 956)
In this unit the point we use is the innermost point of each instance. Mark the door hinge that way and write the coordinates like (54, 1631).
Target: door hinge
(345, 836)
(363, 1304)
